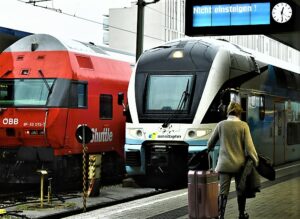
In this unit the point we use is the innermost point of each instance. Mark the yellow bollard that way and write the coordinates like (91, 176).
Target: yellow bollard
(2, 211)
(43, 173)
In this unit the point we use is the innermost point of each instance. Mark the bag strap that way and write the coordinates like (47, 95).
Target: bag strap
(209, 164)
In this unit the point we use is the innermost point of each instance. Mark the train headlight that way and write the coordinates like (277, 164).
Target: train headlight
(136, 133)
(201, 133)
(191, 133)
(139, 133)
(197, 133)
(177, 54)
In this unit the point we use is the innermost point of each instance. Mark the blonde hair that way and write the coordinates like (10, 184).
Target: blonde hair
(234, 109)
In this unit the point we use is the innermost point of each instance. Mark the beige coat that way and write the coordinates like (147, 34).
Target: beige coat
(235, 141)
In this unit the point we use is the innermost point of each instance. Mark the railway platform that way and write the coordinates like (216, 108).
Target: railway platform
(277, 199)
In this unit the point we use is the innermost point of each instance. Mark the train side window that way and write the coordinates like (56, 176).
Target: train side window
(235, 97)
(258, 102)
(106, 106)
(262, 110)
(78, 95)
(293, 130)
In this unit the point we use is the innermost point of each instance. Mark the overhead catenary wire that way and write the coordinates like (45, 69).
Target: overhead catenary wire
(90, 20)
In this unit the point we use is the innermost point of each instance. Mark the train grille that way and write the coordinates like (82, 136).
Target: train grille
(133, 158)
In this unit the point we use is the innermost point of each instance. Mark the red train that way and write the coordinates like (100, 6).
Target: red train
(48, 88)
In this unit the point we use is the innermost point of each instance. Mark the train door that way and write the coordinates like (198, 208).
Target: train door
(279, 133)
(253, 114)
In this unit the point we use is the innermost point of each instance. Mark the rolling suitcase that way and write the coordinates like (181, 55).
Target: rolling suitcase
(203, 194)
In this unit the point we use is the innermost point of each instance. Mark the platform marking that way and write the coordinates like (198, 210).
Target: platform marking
(142, 205)
(283, 168)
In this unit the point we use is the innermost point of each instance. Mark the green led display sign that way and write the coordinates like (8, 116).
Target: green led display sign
(214, 17)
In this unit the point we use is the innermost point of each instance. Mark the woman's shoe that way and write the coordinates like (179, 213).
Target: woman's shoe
(244, 216)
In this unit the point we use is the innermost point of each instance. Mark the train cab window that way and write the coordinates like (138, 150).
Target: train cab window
(106, 106)
(25, 92)
(78, 95)
(167, 93)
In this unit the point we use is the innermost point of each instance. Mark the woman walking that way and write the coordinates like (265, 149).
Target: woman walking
(235, 140)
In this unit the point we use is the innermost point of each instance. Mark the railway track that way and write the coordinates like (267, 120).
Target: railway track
(11, 198)
(27, 204)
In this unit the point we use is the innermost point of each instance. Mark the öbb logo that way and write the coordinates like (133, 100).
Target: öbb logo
(10, 121)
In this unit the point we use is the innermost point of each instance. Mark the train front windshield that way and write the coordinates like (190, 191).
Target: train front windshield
(168, 92)
(25, 92)
(163, 95)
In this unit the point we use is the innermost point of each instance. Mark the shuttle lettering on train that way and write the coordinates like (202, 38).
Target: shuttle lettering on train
(106, 135)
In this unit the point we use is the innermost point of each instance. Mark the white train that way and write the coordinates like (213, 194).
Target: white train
(180, 90)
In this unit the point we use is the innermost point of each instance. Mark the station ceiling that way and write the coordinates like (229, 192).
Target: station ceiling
(291, 39)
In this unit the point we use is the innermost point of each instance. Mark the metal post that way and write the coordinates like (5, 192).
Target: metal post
(42, 190)
(140, 26)
(42, 172)
(84, 135)
(84, 169)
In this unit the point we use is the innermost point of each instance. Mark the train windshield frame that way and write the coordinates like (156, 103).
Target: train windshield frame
(25, 92)
(168, 93)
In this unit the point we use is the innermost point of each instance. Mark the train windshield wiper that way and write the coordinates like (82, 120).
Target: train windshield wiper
(45, 81)
(181, 105)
